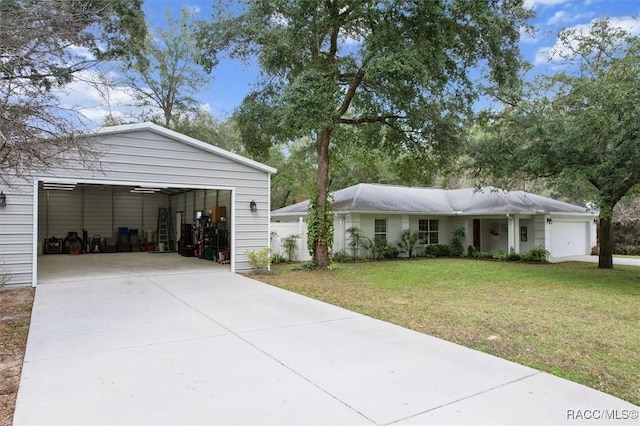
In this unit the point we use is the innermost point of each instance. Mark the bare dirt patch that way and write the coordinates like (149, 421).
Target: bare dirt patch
(15, 316)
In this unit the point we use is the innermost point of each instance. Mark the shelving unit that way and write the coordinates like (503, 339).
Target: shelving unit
(208, 238)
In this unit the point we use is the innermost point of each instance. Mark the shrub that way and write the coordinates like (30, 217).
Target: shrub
(625, 236)
(341, 257)
(390, 252)
(626, 250)
(408, 242)
(357, 239)
(513, 256)
(536, 254)
(455, 247)
(277, 258)
(259, 260)
(483, 255)
(376, 248)
(437, 250)
(290, 245)
(498, 255)
(472, 251)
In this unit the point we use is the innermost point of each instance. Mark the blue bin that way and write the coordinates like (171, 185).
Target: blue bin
(123, 231)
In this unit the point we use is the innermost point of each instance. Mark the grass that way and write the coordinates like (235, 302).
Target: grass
(571, 319)
(15, 316)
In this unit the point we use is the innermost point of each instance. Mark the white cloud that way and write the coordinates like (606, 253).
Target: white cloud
(81, 52)
(95, 99)
(556, 52)
(532, 4)
(558, 18)
(542, 55)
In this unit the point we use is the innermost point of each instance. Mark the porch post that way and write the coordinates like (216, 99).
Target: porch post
(511, 234)
(516, 233)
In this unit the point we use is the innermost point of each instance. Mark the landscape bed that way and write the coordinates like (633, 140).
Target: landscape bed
(15, 316)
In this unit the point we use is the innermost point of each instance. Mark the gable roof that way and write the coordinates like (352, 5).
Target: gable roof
(367, 197)
(154, 128)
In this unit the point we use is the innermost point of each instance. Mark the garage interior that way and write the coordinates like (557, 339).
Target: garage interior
(109, 225)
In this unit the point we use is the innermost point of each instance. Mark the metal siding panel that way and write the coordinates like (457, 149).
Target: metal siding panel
(127, 210)
(148, 157)
(98, 207)
(18, 248)
(153, 202)
(143, 156)
(60, 213)
(19, 279)
(200, 205)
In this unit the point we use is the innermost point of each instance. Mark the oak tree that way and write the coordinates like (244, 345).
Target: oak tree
(164, 73)
(578, 128)
(44, 46)
(406, 70)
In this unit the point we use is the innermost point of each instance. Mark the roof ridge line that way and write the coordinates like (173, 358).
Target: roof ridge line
(355, 197)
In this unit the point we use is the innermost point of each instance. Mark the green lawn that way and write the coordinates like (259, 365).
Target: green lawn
(569, 319)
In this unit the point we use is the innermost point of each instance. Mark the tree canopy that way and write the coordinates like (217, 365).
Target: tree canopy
(578, 127)
(164, 72)
(44, 45)
(400, 69)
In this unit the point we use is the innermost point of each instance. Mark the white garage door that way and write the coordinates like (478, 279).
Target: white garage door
(569, 238)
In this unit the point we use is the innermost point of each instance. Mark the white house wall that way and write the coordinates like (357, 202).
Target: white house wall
(529, 224)
(578, 233)
(492, 241)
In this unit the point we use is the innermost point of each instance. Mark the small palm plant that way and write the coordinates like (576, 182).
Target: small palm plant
(356, 240)
(408, 241)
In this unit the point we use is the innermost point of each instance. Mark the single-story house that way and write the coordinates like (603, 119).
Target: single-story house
(146, 178)
(493, 219)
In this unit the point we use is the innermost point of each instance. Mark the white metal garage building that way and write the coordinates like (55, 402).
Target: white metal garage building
(141, 168)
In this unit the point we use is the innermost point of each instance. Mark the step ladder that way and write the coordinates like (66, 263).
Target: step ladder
(164, 229)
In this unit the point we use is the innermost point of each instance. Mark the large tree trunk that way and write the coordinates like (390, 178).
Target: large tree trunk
(321, 249)
(605, 256)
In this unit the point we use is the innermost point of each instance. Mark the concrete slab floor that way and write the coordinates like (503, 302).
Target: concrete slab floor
(66, 267)
(219, 348)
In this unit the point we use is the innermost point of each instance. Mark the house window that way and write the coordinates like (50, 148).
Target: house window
(428, 231)
(380, 230)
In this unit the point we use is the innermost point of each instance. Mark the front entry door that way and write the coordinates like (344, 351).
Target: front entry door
(476, 233)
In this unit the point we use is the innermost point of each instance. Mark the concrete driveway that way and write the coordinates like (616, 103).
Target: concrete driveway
(217, 348)
(629, 261)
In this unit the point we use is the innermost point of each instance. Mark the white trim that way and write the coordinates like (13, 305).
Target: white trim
(233, 231)
(445, 214)
(34, 250)
(565, 217)
(128, 128)
(165, 185)
(36, 218)
(269, 219)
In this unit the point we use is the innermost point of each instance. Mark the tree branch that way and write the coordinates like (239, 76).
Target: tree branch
(364, 120)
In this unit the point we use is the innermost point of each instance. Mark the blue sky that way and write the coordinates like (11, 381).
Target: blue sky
(232, 80)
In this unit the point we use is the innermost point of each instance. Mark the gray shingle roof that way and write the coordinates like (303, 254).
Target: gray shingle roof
(367, 197)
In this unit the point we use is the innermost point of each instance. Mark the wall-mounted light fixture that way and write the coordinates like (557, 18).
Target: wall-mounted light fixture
(595, 220)
(3, 199)
(549, 220)
(253, 206)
